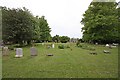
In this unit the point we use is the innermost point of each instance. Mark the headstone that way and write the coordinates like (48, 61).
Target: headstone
(42, 43)
(106, 51)
(93, 53)
(33, 51)
(107, 45)
(5, 51)
(48, 47)
(96, 43)
(49, 54)
(53, 46)
(19, 52)
(115, 44)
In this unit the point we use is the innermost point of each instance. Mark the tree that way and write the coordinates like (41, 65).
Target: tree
(56, 38)
(44, 29)
(17, 25)
(118, 13)
(64, 39)
(100, 23)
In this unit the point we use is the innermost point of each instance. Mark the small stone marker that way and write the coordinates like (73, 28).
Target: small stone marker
(93, 53)
(5, 51)
(48, 47)
(106, 51)
(33, 51)
(49, 54)
(42, 43)
(19, 52)
(53, 46)
(115, 44)
(14, 49)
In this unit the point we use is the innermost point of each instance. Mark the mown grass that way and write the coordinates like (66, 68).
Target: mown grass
(66, 63)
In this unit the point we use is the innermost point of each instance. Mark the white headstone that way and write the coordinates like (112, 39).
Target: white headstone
(42, 43)
(96, 43)
(19, 52)
(107, 45)
(53, 46)
(33, 51)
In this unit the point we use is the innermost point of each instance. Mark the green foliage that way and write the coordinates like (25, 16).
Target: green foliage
(61, 47)
(20, 26)
(56, 38)
(17, 25)
(100, 23)
(67, 46)
(84, 46)
(11, 47)
(64, 39)
(44, 29)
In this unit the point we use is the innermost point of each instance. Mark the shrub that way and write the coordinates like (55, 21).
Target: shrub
(11, 47)
(61, 47)
(67, 46)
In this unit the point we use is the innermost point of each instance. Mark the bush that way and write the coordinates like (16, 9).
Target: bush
(67, 46)
(61, 46)
(11, 47)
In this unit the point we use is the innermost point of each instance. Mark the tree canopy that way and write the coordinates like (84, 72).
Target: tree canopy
(100, 23)
(20, 26)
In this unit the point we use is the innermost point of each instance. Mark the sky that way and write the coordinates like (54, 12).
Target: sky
(63, 16)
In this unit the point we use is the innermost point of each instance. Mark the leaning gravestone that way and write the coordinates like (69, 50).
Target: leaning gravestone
(33, 51)
(19, 52)
(5, 51)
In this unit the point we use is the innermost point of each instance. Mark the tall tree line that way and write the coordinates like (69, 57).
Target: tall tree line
(101, 23)
(20, 26)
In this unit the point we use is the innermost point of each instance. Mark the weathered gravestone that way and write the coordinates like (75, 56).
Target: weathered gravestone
(19, 52)
(5, 51)
(33, 51)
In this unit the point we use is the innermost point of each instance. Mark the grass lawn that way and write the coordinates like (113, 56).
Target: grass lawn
(65, 63)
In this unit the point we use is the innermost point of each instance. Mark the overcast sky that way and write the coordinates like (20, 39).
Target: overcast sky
(63, 16)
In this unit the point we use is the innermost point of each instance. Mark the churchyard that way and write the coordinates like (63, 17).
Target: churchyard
(45, 61)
